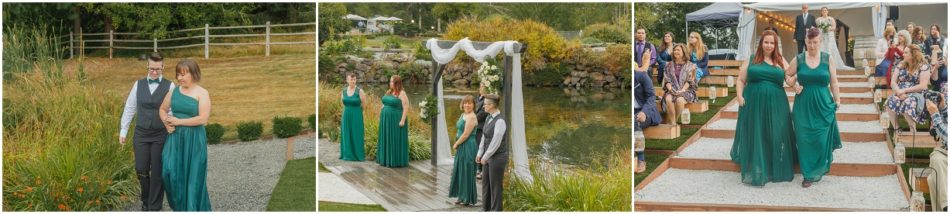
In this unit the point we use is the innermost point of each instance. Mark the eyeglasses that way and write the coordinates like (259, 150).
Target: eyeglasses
(154, 69)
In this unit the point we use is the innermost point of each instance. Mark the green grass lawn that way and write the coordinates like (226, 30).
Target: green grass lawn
(652, 161)
(297, 187)
(323, 168)
(326, 206)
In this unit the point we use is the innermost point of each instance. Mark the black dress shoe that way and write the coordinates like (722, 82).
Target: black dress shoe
(144, 208)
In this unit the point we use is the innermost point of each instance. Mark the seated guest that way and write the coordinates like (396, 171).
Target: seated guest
(679, 83)
(938, 158)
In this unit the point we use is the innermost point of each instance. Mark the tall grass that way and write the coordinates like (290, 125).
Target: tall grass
(599, 188)
(27, 50)
(331, 111)
(60, 146)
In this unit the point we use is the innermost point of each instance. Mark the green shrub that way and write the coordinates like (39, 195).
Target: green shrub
(544, 44)
(608, 33)
(250, 130)
(285, 127)
(312, 119)
(590, 41)
(215, 131)
(406, 29)
(392, 42)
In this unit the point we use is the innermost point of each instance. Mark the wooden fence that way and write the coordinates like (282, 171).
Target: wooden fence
(77, 41)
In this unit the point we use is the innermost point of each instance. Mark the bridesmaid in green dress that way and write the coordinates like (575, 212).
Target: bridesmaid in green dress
(185, 156)
(351, 126)
(463, 174)
(816, 128)
(392, 148)
(764, 143)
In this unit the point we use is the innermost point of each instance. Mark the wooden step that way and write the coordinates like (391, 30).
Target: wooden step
(922, 140)
(713, 80)
(662, 132)
(852, 72)
(724, 63)
(702, 92)
(841, 89)
(724, 72)
(698, 106)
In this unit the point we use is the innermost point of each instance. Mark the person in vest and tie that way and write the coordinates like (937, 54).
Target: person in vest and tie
(493, 155)
(150, 132)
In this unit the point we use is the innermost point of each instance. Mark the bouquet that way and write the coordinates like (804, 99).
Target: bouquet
(489, 75)
(824, 27)
(428, 108)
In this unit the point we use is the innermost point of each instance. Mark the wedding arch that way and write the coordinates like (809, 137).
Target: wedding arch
(443, 52)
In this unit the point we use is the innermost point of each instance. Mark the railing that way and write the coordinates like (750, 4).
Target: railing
(109, 41)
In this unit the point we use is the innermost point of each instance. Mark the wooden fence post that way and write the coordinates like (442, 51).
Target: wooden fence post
(289, 154)
(206, 41)
(267, 40)
(82, 45)
(111, 37)
(71, 50)
(154, 44)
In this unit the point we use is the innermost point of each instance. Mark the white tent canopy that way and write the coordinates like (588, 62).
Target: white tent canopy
(864, 19)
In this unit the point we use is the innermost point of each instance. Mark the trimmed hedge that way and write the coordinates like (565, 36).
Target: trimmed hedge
(251, 130)
(285, 127)
(215, 131)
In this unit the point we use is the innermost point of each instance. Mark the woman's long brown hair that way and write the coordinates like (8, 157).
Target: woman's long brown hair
(397, 86)
(776, 56)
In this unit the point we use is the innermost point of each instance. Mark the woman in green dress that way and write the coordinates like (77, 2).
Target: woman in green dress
(185, 156)
(463, 174)
(351, 125)
(764, 142)
(392, 149)
(816, 127)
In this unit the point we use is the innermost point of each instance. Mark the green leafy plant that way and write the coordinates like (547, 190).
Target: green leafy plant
(285, 127)
(215, 131)
(250, 130)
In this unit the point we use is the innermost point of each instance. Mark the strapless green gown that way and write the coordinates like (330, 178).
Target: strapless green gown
(764, 145)
(816, 128)
(392, 148)
(185, 159)
(463, 173)
(351, 128)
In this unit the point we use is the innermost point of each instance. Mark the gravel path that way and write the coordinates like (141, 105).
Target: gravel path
(863, 84)
(721, 187)
(843, 126)
(850, 152)
(242, 175)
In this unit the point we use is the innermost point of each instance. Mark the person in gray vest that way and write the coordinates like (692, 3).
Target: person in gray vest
(493, 155)
(145, 98)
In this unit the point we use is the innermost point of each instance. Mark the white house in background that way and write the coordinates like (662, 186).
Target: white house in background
(358, 22)
(380, 24)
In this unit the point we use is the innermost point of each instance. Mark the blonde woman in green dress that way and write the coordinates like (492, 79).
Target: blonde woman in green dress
(816, 127)
(463, 173)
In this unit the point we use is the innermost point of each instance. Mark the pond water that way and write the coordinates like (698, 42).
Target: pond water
(575, 127)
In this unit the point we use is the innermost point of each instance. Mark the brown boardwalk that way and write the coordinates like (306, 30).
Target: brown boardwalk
(418, 187)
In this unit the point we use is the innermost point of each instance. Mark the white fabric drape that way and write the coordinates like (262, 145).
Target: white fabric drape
(746, 32)
(879, 19)
(518, 139)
